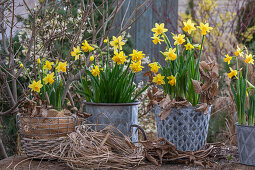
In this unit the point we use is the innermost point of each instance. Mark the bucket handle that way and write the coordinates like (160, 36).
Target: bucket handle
(139, 128)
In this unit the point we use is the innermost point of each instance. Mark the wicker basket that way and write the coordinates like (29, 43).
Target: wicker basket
(40, 135)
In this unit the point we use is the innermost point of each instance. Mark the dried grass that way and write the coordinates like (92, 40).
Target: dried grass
(90, 149)
(110, 149)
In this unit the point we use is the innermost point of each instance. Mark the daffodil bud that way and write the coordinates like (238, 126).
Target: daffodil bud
(92, 58)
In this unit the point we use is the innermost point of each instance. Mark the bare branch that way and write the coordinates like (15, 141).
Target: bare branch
(13, 108)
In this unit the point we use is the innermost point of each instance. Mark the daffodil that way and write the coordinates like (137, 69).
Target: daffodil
(119, 58)
(61, 66)
(159, 79)
(239, 52)
(227, 59)
(38, 61)
(48, 65)
(117, 43)
(21, 65)
(154, 67)
(204, 28)
(36, 86)
(91, 58)
(170, 54)
(136, 66)
(106, 40)
(156, 39)
(199, 47)
(189, 46)
(159, 29)
(95, 71)
(86, 47)
(172, 80)
(49, 78)
(249, 59)
(179, 39)
(76, 53)
(232, 73)
(189, 26)
(137, 55)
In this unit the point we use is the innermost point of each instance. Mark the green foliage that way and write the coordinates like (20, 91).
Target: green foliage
(113, 84)
(251, 111)
(239, 93)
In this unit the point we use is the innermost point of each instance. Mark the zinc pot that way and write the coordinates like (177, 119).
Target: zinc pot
(246, 144)
(120, 115)
(186, 128)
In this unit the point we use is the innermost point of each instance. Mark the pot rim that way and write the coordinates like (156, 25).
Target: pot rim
(193, 107)
(244, 125)
(112, 104)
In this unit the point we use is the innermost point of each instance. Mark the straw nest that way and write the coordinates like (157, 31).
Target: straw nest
(108, 148)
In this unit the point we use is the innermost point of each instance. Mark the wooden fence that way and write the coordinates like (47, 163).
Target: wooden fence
(160, 11)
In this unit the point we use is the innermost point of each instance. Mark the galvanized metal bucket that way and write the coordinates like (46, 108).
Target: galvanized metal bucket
(120, 115)
(246, 144)
(186, 128)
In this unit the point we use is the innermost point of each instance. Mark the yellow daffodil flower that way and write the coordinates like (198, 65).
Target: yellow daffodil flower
(86, 47)
(117, 43)
(36, 86)
(38, 61)
(61, 67)
(159, 79)
(156, 39)
(106, 40)
(48, 65)
(76, 53)
(137, 55)
(239, 52)
(172, 80)
(179, 39)
(170, 54)
(136, 66)
(91, 58)
(159, 29)
(249, 59)
(189, 26)
(119, 58)
(204, 28)
(227, 59)
(95, 71)
(232, 73)
(21, 65)
(189, 46)
(199, 47)
(49, 78)
(154, 67)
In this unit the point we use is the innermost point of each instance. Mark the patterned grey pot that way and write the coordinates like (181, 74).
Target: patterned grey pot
(186, 128)
(120, 115)
(246, 144)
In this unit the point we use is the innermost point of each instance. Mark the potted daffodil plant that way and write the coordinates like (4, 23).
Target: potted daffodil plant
(182, 117)
(48, 85)
(108, 85)
(43, 122)
(244, 95)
